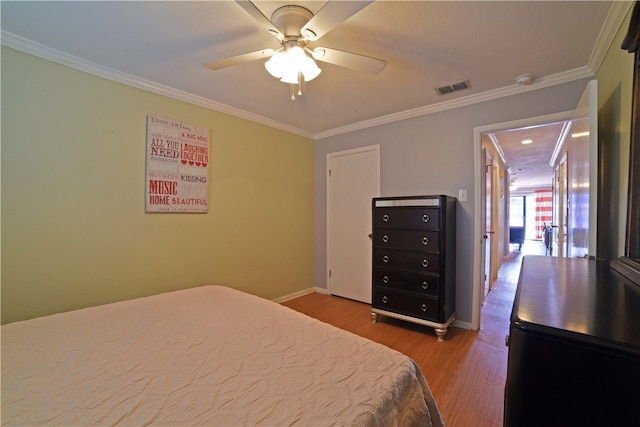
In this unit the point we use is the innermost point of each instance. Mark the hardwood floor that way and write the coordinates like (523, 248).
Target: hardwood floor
(467, 371)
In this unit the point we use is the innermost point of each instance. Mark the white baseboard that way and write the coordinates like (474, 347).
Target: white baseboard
(299, 294)
(462, 325)
(323, 291)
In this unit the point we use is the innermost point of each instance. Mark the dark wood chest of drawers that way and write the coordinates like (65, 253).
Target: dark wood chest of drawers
(414, 260)
(574, 346)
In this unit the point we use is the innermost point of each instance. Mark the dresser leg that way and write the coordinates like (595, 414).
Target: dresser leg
(441, 332)
(374, 317)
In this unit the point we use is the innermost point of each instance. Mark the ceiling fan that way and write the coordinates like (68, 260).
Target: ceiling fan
(295, 27)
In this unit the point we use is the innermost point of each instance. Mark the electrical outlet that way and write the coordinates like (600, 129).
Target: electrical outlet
(462, 195)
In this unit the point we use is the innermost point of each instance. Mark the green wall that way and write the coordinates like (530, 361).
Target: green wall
(74, 228)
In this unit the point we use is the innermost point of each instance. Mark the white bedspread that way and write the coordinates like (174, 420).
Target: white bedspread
(204, 356)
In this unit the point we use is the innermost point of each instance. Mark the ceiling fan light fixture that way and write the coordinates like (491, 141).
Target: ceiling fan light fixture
(290, 76)
(294, 27)
(296, 57)
(277, 64)
(287, 65)
(310, 70)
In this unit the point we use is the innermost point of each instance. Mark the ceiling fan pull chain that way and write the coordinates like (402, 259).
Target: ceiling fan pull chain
(299, 83)
(293, 90)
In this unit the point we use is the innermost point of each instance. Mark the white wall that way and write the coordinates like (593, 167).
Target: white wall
(434, 154)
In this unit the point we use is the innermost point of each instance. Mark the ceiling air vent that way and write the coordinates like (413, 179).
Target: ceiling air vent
(443, 90)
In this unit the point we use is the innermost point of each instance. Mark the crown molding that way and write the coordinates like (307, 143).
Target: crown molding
(615, 17)
(543, 82)
(41, 51)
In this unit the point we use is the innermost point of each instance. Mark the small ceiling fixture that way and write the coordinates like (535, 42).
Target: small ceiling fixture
(525, 79)
(292, 65)
(526, 141)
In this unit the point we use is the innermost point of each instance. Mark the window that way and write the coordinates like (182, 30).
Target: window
(517, 211)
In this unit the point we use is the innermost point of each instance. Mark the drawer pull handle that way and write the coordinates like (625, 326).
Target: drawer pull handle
(385, 279)
(385, 258)
(425, 241)
(385, 299)
(425, 263)
(425, 218)
(385, 217)
(385, 238)
(425, 285)
(424, 307)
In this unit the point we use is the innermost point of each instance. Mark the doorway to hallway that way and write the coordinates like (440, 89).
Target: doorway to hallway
(517, 168)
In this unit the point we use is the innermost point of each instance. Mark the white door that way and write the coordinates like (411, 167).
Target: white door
(353, 179)
(488, 221)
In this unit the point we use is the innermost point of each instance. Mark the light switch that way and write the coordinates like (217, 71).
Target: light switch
(462, 195)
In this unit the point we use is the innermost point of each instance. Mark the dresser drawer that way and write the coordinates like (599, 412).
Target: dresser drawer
(407, 281)
(406, 217)
(413, 240)
(414, 261)
(414, 254)
(407, 304)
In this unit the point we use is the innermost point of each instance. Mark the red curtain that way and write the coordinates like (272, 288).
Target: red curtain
(544, 213)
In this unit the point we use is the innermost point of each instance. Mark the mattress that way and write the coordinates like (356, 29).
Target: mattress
(204, 356)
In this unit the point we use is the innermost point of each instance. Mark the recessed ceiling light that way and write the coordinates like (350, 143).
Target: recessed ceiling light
(526, 141)
(579, 134)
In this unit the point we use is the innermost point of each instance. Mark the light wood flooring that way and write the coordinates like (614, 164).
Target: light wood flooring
(467, 371)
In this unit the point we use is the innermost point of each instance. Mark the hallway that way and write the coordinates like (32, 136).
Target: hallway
(499, 300)
(487, 354)
(497, 306)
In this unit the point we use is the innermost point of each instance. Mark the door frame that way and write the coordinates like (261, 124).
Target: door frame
(560, 211)
(479, 170)
(489, 217)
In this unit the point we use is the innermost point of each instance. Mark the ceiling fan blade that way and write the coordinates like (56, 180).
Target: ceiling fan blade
(239, 59)
(253, 10)
(331, 14)
(366, 64)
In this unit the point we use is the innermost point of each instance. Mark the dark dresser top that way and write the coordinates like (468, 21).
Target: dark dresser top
(578, 299)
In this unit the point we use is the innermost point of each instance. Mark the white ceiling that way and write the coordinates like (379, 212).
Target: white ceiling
(161, 46)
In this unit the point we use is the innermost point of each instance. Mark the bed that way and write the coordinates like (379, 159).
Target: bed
(210, 355)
